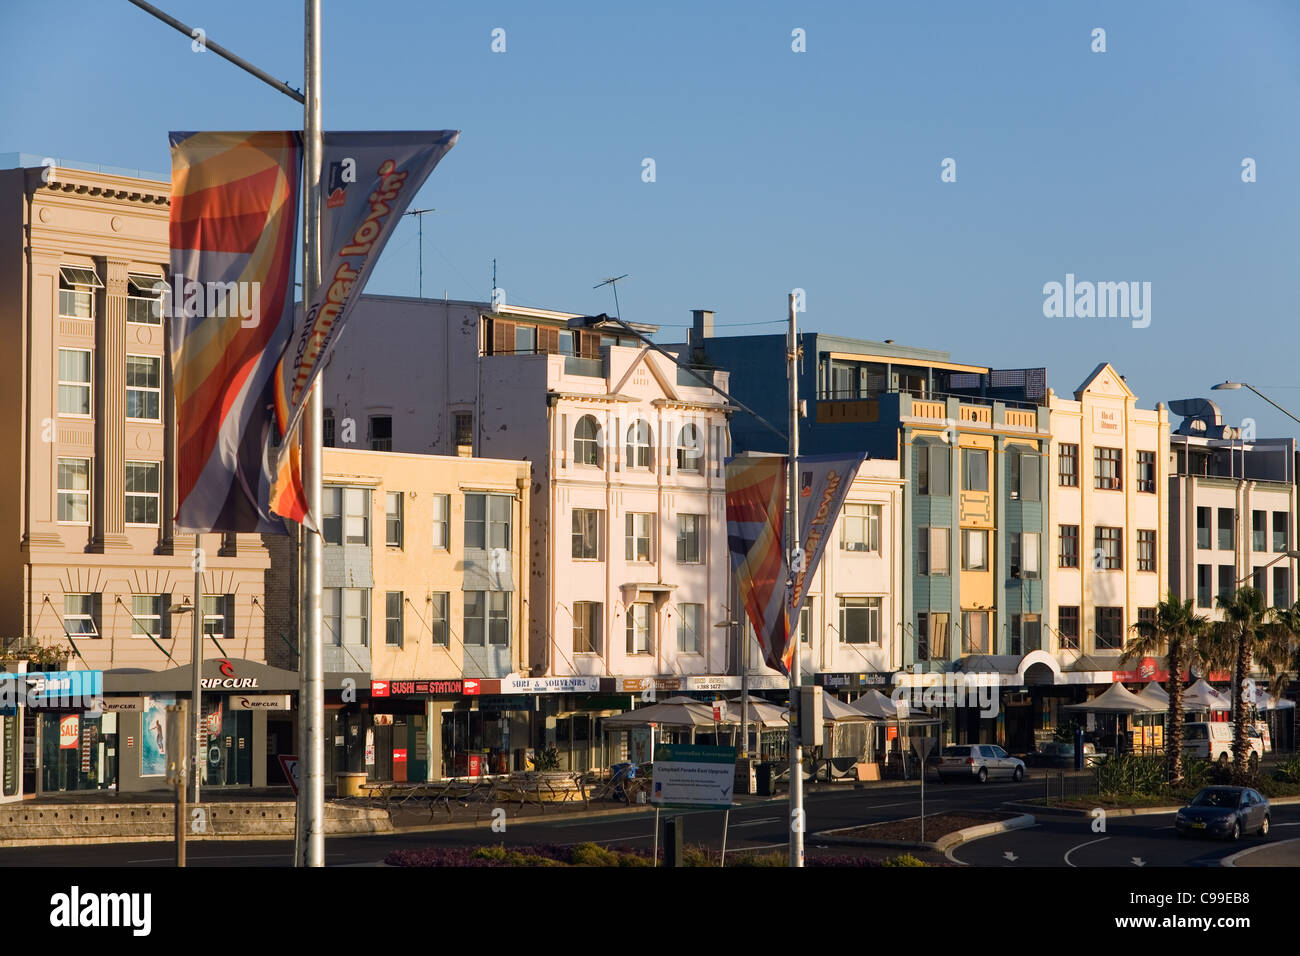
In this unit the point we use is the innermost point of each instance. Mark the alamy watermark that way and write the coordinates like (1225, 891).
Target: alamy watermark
(1098, 300)
(935, 690)
(187, 298)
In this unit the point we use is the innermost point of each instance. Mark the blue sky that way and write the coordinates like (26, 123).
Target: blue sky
(777, 169)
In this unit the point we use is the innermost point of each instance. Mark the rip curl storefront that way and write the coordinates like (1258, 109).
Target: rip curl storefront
(247, 722)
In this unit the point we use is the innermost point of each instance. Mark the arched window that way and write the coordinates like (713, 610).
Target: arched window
(690, 449)
(586, 442)
(638, 444)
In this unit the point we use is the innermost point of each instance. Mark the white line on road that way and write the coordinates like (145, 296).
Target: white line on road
(1080, 847)
(754, 823)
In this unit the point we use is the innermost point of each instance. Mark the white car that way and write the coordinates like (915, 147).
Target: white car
(1212, 740)
(980, 762)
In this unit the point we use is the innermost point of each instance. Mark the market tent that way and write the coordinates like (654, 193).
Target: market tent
(1156, 694)
(1266, 701)
(673, 712)
(834, 709)
(760, 713)
(1201, 696)
(876, 705)
(1116, 700)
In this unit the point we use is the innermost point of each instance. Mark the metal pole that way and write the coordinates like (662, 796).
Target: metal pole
(726, 820)
(311, 676)
(792, 545)
(196, 662)
(744, 699)
(656, 849)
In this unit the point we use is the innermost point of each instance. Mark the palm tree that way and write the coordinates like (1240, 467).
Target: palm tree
(1180, 631)
(1247, 630)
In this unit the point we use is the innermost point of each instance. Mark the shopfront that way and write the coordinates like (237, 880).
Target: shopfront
(246, 722)
(403, 734)
(54, 734)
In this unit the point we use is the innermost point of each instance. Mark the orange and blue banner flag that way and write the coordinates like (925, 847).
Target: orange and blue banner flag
(230, 299)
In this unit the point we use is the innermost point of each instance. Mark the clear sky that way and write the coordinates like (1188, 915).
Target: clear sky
(776, 169)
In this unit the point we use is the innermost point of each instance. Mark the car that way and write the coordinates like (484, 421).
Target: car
(1212, 740)
(1053, 753)
(980, 762)
(1225, 812)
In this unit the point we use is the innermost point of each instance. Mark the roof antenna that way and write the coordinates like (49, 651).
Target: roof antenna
(613, 281)
(419, 213)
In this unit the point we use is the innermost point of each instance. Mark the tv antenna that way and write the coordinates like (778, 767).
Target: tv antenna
(613, 282)
(420, 213)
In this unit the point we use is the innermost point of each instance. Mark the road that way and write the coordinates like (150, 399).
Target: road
(1054, 841)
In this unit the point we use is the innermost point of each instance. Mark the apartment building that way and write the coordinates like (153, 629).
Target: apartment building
(1232, 510)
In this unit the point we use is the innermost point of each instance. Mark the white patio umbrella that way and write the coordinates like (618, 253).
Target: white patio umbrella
(761, 713)
(673, 712)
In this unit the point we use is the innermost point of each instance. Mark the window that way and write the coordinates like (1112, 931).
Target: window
(1107, 468)
(1069, 466)
(142, 492)
(215, 608)
(688, 628)
(690, 450)
(1024, 554)
(586, 442)
(393, 519)
(441, 522)
(1279, 531)
(356, 616)
(805, 624)
(74, 490)
(586, 534)
(77, 287)
(463, 423)
(1146, 550)
(974, 549)
(860, 528)
(79, 617)
(327, 428)
(1227, 581)
(1203, 528)
(332, 616)
(1069, 546)
(975, 632)
(1067, 627)
(440, 603)
(147, 615)
(568, 342)
(1258, 531)
(860, 620)
(638, 536)
(587, 616)
(144, 299)
(525, 339)
(393, 618)
(638, 629)
(931, 469)
(1227, 519)
(487, 613)
(974, 469)
(1110, 628)
(1024, 474)
(1259, 580)
(689, 529)
(931, 636)
(1204, 597)
(1147, 615)
(1109, 544)
(381, 432)
(331, 514)
(144, 387)
(1281, 587)
(1026, 633)
(1146, 477)
(356, 520)
(487, 521)
(932, 545)
(638, 445)
(74, 381)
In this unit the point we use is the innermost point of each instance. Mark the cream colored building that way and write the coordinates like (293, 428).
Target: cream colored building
(1109, 485)
(88, 554)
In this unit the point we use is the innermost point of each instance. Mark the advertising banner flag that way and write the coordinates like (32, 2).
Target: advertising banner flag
(230, 299)
(755, 522)
(756, 511)
(368, 180)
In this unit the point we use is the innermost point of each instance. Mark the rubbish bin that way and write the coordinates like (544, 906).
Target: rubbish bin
(349, 784)
(621, 772)
(765, 782)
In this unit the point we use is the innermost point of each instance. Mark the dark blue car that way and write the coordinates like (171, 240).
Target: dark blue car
(1224, 812)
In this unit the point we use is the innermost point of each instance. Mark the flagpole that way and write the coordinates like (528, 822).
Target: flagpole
(311, 675)
(792, 546)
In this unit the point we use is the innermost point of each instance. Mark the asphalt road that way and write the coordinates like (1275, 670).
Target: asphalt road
(1054, 841)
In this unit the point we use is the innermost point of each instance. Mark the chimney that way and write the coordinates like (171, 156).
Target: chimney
(701, 326)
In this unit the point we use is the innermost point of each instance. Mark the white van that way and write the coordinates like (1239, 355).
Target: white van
(1212, 740)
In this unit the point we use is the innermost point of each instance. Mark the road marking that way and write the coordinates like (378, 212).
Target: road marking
(1080, 847)
(754, 823)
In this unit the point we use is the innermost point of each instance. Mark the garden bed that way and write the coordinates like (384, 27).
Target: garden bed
(591, 854)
